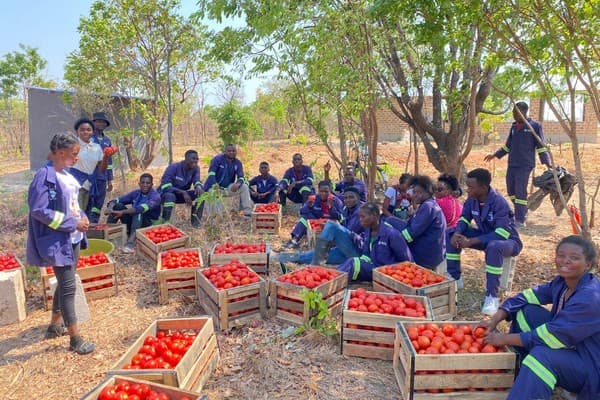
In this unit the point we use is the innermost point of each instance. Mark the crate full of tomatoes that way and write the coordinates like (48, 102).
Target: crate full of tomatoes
(112, 232)
(449, 360)
(153, 240)
(232, 293)
(9, 263)
(288, 301)
(176, 272)
(314, 229)
(254, 255)
(369, 321)
(266, 218)
(97, 273)
(177, 352)
(123, 387)
(409, 278)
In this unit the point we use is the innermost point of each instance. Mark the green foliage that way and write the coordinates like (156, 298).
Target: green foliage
(20, 68)
(235, 122)
(299, 139)
(322, 322)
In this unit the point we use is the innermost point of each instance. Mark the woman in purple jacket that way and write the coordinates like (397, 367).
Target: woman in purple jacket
(56, 230)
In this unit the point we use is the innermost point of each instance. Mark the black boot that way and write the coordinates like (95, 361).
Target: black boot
(321, 252)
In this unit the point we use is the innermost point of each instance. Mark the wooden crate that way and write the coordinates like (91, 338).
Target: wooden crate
(116, 233)
(374, 331)
(174, 394)
(470, 376)
(235, 306)
(442, 295)
(149, 250)
(93, 279)
(196, 365)
(313, 234)
(287, 304)
(265, 222)
(178, 280)
(23, 270)
(258, 262)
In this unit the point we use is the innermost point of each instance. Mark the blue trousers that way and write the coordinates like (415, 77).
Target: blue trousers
(517, 180)
(264, 200)
(300, 229)
(95, 204)
(359, 269)
(543, 368)
(296, 195)
(495, 251)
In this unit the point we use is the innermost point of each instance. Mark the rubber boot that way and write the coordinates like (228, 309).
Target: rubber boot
(321, 252)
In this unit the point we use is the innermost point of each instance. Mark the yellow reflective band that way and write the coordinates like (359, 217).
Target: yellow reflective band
(542, 150)
(407, 235)
(530, 297)
(466, 221)
(356, 271)
(493, 270)
(506, 149)
(198, 183)
(109, 167)
(57, 220)
(548, 338)
(540, 371)
(117, 200)
(166, 185)
(522, 322)
(286, 180)
(304, 189)
(502, 233)
(512, 197)
(304, 222)
(453, 256)
(145, 207)
(310, 179)
(212, 173)
(521, 201)
(96, 210)
(365, 258)
(169, 204)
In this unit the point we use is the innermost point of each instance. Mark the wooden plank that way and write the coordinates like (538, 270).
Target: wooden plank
(174, 394)
(188, 274)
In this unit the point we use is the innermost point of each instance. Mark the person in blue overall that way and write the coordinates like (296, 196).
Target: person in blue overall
(104, 179)
(56, 231)
(521, 146)
(380, 244)
(297, 182)
(324, 205)
(338, 235)
(144, 209)
(495, 234)
(227, 171)
(560, 347)
(350, 180)
(176, 187)
(425, 230)
(265, 184)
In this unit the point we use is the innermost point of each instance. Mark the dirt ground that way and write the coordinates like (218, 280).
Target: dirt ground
(259, 361)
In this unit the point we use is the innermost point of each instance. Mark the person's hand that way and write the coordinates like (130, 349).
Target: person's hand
(118, 214)
(455, 240)
(489, 157)
(235, 187)
(83, 223)
(330, 201)
(327, 167)
(109, 186)
(187, 198)
(495, 338)
(291, 186)
(199, 190)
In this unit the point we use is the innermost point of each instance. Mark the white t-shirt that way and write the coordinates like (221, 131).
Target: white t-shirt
(70, 188)
(391, 193)
(90, 154)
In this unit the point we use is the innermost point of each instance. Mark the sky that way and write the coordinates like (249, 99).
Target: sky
(51, 27)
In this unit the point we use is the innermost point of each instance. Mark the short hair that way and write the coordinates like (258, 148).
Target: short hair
(62, 140)
(371, 208)
(263, 163)
(405, 178)
(481, 175)
(423, 181)
(324, 183)
(449, 180)
(589, 249)
(353, 190)
(524, 107)
(296, 154)
(82, 121)
(147, 175)
(190, 152)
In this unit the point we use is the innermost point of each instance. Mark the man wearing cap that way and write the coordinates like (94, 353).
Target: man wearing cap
(103, 178)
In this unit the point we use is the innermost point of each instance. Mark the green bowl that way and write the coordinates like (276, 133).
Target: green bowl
(97, 246)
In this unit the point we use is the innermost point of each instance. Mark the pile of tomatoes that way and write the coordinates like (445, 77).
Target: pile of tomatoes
(231, 248)
(449, 338)
(163, 351)
(173, 259)
(162, 234)
(267, 208)
(395, 304)
(133, 391)
(230, 275)
(8, 261)
(317, 224)
(411, 274)
(86, 261)
(309, 277)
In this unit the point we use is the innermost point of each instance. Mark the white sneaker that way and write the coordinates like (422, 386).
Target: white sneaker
(128, 250)
(459, 283)
(490, 305)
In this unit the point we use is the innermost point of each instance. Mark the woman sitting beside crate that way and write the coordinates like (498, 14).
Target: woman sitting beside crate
(562, 346)
(380, 244)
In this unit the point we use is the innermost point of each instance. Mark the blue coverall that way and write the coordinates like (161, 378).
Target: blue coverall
(299, 194)
(176, 177)
(102, 179)
(147, 208)
(316, 212)
(360, 185)
(268, 185)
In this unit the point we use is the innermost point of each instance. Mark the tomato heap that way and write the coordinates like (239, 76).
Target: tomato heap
(309, 277)
(162, 234)
(163, 351)
(133, 391)
(173, 259)
(86, 261)
(449, 338)
(395, 304)
(267, 208)
(110, 150)
(231, 248)
(8, 261)
(317, 224)
(411, 274)
(230, 275)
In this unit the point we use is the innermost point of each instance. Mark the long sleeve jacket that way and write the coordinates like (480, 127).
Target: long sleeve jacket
(223, 172)
(176, 177)
(150, 205)
(387, 247)
(350, 219)
(304, 178)
(521, 146)
(360, 185)
(316, 211)
(268, 185)
(104, 142)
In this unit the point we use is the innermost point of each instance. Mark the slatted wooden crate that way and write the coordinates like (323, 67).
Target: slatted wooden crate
(287, 304)
(258, 262)
(235, 306)
(149, 250)
(313, 233)
(174, 394)
(266, 222)
(469, 376)
(99, 281)
(371, 335)
(178, 280)
(442, 295)
(116, 233)
(196, 365)
(21, 267)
